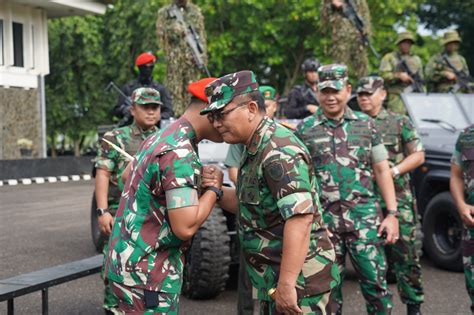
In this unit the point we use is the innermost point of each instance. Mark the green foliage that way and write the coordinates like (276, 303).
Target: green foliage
(441, 14)
(270, 37)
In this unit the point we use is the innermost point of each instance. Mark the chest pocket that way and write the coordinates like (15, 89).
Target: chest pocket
(249, 191)
(359, 142)
(389, 133)
(319, 145)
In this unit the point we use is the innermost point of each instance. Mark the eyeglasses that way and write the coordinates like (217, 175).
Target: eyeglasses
(220, 115)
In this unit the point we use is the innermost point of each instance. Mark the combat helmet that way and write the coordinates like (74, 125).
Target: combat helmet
(310, 64)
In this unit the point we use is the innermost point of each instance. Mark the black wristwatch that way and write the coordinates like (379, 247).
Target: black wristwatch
(219, 192)
(395, 213)
(100, 211)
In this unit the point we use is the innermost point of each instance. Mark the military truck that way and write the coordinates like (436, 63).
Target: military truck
(439, 118)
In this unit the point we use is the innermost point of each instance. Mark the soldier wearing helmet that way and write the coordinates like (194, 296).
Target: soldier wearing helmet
(440, 74)
(302, 100)
(145, 63)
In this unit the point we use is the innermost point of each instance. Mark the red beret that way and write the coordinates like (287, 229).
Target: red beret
(144, 58)
(198, 88)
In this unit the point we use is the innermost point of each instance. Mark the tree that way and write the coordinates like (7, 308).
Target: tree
(441, 14)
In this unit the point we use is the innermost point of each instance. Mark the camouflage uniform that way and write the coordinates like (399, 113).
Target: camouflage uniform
(437, 66)
(347, 44)
(276, 182)
(343, 153)
(129, 139)
(145, 257)
(389, 65)
(181, 67)
(464, 157)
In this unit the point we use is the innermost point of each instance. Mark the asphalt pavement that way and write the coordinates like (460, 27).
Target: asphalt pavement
(44, 225)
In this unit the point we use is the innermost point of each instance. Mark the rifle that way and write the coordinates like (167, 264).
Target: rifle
(192, 38)
(124, 108)
(350, 12)
(418, 82)
(463, 79)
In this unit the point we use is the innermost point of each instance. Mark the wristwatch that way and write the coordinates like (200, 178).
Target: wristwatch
(100, 211)
(393, 212)
(219, 192)
(396, 172)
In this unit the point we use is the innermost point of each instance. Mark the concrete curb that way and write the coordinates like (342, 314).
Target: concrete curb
(43, 180)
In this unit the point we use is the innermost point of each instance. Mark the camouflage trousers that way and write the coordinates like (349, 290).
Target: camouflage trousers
(245, 300)
(468, 261)
(395, 104)
(402, 256)
(138, 301)
(367, 255)
(318, 305)
(110, 300)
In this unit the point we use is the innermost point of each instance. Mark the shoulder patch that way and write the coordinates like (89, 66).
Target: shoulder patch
(276, 171)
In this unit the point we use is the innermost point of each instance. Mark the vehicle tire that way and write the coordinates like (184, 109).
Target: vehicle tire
(207, 262)
(442, 228)
(97, 237)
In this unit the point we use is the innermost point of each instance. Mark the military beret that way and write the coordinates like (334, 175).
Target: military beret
(332, 76)
(369, 84)
(198, 88)
(268, 92)
(144, 58)
(223, 90)
(146, 95)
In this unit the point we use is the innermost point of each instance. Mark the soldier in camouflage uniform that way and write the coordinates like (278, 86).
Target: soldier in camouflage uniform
(462, 189)
(181, 67)
(397, 80)
(440, 76)
(347, 44)
(280, 228)
(348, 153)
(110, 163)
(160, 210)
(405, 153)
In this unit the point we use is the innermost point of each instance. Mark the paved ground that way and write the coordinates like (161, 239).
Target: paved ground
(47, 225)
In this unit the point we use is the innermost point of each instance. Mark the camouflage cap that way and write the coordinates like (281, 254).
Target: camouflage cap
(268, 92)
(369, 84)
(404, 36)
(146, 95)
(450, 36)
(223, 90)
(332, 76)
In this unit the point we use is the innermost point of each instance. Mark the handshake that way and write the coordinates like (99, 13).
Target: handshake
(212, 176)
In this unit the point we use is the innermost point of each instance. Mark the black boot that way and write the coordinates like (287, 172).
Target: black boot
(413, 309)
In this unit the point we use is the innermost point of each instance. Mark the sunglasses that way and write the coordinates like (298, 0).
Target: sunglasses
(220, 115)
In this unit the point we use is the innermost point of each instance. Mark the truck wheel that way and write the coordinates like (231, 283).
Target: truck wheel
(207, 262)
(97, 238)
(442, 228)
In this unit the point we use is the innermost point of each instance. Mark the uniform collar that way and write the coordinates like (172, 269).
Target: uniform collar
(259, 134)
(137, 131)
(348, 115)
(383, 114)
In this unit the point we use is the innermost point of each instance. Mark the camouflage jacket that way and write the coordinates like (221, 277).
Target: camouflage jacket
(390, 64)
(128, 138)
(343, 153)
(144, 252)
(464, 157)
(437, 67)
(276, 182)
(400, 139)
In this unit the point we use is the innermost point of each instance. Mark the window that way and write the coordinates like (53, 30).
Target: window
(18, 45)
(2, 61)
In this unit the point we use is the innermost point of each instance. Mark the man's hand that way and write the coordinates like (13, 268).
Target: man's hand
(106, 222)
(286, 300)
(405, 77)
(466, 212)
(312, 108)
(390, 226)
(212, 175)
(450, 76)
